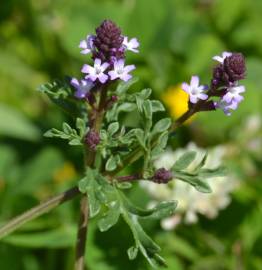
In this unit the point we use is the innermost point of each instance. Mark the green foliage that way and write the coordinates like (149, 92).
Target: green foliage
(68, 133)
(197, 177)
(109, 198)
(174, 44)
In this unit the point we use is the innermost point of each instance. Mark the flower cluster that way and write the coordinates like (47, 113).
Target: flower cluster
(108, 48)
(226, 74)
(224, 84)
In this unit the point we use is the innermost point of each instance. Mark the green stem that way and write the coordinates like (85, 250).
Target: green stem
(37, 211)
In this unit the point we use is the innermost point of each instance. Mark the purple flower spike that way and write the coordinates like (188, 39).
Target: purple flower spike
(233, 94)
(131, 45)
(195, 90)
(121, 71)
(96, 72)
(87, 44)
(221, 59)
(82, 87)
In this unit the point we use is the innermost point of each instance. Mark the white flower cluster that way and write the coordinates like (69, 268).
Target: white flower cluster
(190, 201)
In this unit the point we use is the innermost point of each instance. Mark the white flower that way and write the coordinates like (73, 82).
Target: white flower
(131, 45)
(221, 59)
(87, 44)
(96, 72)
(195, 90)
(233, 94)
(121, 71)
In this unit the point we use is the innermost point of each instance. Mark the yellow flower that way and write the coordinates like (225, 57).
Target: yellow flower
(66, 173)
(176, 101)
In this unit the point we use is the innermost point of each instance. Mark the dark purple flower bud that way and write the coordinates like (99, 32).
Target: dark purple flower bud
(92, 139)
(108, 42)
(229, 71)
(114, 98)
(162, 176)
(235, 67)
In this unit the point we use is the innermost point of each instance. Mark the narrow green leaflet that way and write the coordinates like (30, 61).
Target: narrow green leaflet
(56, 89)
(124, 86)
(111, 217)
(210, 173)
(184, 161)
(160, 211)
(112, 163)
(90, 186)
(147, 109)
(113, 128)
(140, 135)
(60, 94)
(157, 106)
(193, 180)
(161, 126)
(68, 133)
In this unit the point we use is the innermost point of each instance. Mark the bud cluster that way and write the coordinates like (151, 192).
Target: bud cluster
(162, 176)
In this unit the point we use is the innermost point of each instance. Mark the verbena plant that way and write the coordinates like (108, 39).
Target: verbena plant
(97, 102)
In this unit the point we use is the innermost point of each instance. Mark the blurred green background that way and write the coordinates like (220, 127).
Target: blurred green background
(39, 43)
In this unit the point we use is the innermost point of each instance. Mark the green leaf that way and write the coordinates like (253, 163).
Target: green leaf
(199, 185)
(110, 218)
(139, 104)
(209, 173)
(132, 253)
(126, 107)
(124, 86)
(111, 164)
(145, 93)
(161, 126)
(184, 161)
(56, 89)
(89, 185)
(163, 210)
(75, 142)
(157, 106)
(147, 108)
(68, 133)
(124, 185)
(81, 126)
(113, 128)
(140, 135)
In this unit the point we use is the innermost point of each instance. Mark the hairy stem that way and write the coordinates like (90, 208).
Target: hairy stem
(89, 162)
(37, 211)
(81, 234)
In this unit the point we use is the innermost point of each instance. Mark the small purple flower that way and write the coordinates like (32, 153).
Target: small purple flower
(226, 107)
(195, 90)
(233, 94)
(131, 45)
(87, 44)
(96, 72)
(82, 87)
(121, 71)
(221, 59)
